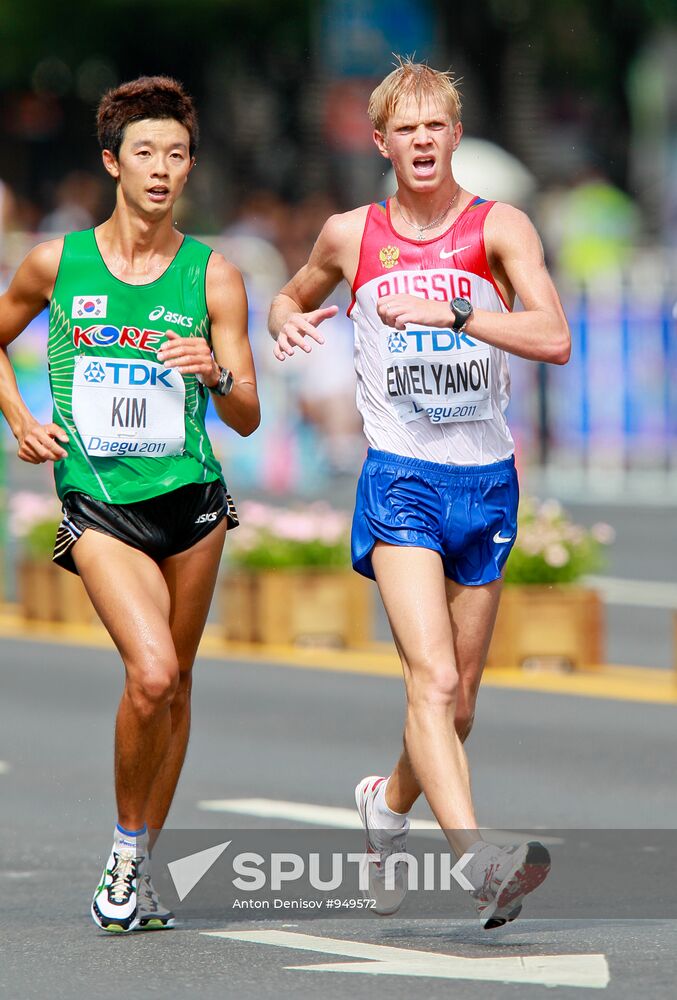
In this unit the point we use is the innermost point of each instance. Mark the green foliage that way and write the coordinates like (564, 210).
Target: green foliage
(33, 521)
(282, 553)
(38, 542)
(551, 549)
(313, 535)
(139, 36)
(527, 568)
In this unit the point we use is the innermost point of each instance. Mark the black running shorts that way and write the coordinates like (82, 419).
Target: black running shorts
(160, 526)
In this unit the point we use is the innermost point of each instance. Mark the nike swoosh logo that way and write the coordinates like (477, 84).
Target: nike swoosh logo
(498, 538)
(445, 254)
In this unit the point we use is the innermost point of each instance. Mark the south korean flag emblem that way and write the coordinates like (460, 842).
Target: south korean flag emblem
(89, 307)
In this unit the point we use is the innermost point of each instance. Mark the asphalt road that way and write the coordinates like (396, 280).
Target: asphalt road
(298, 736)
(645, 549)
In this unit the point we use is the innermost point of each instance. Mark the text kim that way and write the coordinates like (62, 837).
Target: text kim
(128, 411)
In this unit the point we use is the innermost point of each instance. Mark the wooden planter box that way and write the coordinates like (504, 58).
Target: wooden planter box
(49, 593)
(560, 627)
(298, 607)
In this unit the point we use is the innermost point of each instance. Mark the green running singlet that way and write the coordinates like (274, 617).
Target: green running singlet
(136, 428)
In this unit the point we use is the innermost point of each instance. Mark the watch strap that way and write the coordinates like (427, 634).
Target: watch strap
(460, 320)
(224, 384)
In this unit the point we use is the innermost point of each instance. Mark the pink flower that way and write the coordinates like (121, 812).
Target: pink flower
(556, 555)
(332, 527)
(301, 526)
(256, 514)
(550, 510)
(293, 526)
(529, 540)
(244, 539)
(27, 509)
(574, 534)
(603, 533)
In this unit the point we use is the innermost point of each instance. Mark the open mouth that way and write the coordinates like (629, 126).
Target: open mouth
(424, 165)
(158, 193)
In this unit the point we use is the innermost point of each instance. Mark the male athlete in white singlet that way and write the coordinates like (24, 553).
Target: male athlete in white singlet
(435, 272)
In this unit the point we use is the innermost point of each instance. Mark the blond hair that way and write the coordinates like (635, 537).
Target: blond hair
(409, 78)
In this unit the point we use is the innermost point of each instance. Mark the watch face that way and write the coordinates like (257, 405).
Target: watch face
(225, 383)
(461, 307)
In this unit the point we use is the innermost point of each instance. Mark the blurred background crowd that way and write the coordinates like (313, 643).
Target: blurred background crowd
(570, 111)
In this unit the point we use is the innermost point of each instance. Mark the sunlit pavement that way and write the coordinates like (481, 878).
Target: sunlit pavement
(282, 734)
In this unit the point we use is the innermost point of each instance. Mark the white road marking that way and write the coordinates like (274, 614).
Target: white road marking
(635, 593)
(4, 767)
(583, 971)
(187, 872)
(335, 817)
(17, 875)
(301, 812)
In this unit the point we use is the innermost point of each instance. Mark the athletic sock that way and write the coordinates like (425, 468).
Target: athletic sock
(136, 840)
(385, 818)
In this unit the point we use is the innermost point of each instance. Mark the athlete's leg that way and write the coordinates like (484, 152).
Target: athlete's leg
(472, 612)
(412, 585)
(190, 577)
(133, 601)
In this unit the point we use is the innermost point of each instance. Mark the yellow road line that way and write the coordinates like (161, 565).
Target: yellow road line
(639, 684)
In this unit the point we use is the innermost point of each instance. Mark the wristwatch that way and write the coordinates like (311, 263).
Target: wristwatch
(225, 383)
(462, 311)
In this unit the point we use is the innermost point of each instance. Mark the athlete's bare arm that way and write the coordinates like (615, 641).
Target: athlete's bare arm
(227, 307)
(515, 255)
(294, 314)
(27, 295)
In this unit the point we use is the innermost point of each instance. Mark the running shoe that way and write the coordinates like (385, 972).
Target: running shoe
(510, 875)
(153, 916)
(383, 843)
(114, 907)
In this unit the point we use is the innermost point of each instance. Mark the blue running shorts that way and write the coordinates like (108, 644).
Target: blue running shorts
(467, 513)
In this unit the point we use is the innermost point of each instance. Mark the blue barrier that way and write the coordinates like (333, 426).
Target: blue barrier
(614, 405)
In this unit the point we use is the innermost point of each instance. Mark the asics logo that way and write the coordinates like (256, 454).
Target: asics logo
(498, 538)
(445, 254)
(170, 317)
(206, 518)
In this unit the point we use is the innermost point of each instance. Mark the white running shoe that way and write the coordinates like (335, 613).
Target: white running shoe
(383, 843)
(510, 874)
(152, 915)
(114, 907)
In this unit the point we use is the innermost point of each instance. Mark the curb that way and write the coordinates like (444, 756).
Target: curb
(378, 659)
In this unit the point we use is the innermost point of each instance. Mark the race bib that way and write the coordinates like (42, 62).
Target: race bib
(438, 375)
(131, 408)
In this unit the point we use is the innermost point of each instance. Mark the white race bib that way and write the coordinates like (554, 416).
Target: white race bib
(436, 374)
(132, 408)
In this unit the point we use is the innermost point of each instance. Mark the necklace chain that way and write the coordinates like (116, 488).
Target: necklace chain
(435, 222)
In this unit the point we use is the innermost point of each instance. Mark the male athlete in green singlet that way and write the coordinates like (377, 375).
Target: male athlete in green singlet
(144, 325)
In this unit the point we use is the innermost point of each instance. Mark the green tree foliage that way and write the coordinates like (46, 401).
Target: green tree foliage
(157, 35)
